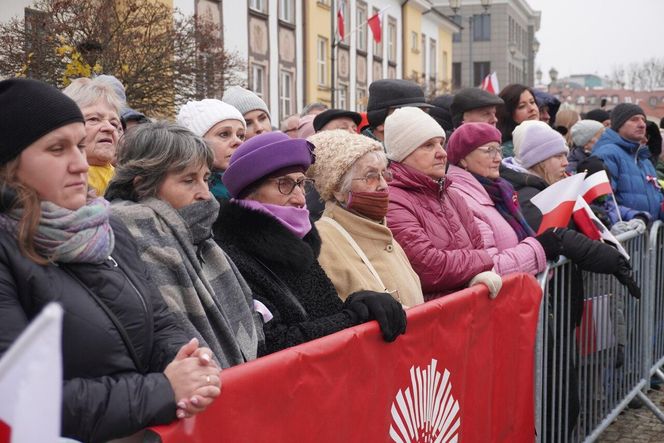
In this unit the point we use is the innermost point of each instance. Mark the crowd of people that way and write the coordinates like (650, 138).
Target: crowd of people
(180, 248)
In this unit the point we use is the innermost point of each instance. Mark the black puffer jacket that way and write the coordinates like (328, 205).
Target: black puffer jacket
(527, 186)
(107, 393)
(284, 274)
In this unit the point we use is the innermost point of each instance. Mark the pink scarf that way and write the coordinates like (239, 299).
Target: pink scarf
(296, 220)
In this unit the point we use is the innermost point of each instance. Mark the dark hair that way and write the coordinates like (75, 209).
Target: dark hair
(661, 123)
(511, 94)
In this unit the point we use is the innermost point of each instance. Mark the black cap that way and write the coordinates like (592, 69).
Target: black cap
(30, 109)
(471, 98)
(599, 115)
(392, 93)
(332, 114)
(441, 111)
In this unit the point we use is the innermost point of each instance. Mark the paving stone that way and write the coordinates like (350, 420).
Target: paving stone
(637, 425)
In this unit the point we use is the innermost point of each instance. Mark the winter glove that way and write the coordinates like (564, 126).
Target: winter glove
(491, 280)
(551, 243)
(635, 224)
(626, 278)
(587, 254)
(379, 306)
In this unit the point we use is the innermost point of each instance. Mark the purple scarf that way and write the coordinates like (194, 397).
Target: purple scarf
(505, 199)
(296, 220)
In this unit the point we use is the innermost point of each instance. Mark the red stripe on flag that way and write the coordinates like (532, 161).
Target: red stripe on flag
(340, 24)
(558, 217)
(585, 224)
(375, 26)
(5, 432)
(597, 191)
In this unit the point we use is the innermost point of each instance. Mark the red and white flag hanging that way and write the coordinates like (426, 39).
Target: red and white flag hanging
(376, 27)
(557, 202)
(490, 83)
(31, 382)
(588, 223)
(595, 186)
(341, 25)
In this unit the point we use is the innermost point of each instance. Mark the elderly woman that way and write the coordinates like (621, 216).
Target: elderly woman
(100, 106)
(432, 222)
(358, 250)
(126, 365)
(223, 129)
(266, 230)
(160, 192)
(520, 105)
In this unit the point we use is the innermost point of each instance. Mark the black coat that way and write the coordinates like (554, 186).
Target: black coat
(284, 274)
(526, 186)
(107, 393)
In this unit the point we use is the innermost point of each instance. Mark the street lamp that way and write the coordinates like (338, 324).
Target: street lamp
(455, 5)
(553, 75)
(512, 48)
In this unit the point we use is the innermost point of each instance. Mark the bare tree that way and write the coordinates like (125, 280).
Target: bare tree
(161, 56)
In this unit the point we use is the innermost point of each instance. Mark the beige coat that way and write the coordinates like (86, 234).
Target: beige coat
(347, 270)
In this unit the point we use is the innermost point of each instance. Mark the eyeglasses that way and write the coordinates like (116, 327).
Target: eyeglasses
(286, 185)
(373, 178)
(492, 152)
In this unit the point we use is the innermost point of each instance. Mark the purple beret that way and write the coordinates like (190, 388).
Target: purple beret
(468, 137)
(262, 155)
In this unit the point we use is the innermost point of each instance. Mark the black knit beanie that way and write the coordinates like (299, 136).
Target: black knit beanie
(30, 109)
(623, 112)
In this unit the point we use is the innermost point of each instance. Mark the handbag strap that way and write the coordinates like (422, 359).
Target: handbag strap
(356, 247)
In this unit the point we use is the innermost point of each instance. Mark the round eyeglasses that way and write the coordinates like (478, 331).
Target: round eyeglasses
(373, 178)
(286, 185)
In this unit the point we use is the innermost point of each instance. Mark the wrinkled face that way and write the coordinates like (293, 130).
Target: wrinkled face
(289, 126)
(274, 191)
(430, 158)
(368, 174)
(634, 129)
(55, 167)
(554, 168)
(345, 123)
(257, 123)
(180, 189)
(224, 138)
(526, 109)
(102, 130)
(484, 160)
(487, 114)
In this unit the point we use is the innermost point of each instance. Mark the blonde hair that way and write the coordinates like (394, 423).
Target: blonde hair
(567, 118)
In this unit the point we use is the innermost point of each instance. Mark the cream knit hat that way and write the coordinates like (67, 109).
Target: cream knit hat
(200, 116)
(406, 129)
(336, 152)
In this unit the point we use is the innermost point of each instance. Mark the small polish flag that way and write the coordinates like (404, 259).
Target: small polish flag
(341, 25)
(376, 26)
(557, 202)
(588, 223)
(490, 83)
(595, 186)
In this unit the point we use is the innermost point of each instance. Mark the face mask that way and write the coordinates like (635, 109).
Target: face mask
(372, 205)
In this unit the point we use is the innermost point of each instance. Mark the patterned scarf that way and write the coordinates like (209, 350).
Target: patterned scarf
(505, 199)
(66, 236)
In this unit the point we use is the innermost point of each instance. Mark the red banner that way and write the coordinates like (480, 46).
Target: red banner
(463, 371)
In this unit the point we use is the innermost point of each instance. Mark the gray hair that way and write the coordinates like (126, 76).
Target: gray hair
(315, 106)
(88, 92)
(347, 180)
(149, 152)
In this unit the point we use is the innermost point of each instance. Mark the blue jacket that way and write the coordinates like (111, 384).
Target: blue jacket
(633, 177)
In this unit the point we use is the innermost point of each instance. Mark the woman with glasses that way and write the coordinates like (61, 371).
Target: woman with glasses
(266, 230)
(432, 222)
(358, 250)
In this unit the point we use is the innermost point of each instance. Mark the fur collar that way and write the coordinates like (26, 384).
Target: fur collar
(262, 236)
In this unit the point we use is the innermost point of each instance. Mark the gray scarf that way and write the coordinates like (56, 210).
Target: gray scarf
(200, 284)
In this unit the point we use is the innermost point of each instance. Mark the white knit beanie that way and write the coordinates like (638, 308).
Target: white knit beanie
(244, 100)
(406, 129)
(535, 141)
(200, 116)
(584, 130)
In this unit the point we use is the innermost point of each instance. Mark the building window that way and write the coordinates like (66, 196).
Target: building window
(445, 65)
(652, 101)
(413, 41)
(423, 45)
(257, 79)
(627, 99)
(480, 70)
(456, 75)
(456, 37)
(321, 59)
(592, 100)
(361, 99)
(286, 11)
(391, 40)
(481, 27)
(377, 47)
(362, 26)
(433, 61)
(342, 96)
(285, 93)
(258, 5)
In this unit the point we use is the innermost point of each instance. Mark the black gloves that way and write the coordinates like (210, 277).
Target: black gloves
(626, 278)
(379, 306)
(551, 243)
(587, 254)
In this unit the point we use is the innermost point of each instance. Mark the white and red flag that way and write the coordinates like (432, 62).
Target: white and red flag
(376, 27)
(341, 24)
(588, 223)
(31, 382)
(595, 186)
(557, 202)
(490, 83)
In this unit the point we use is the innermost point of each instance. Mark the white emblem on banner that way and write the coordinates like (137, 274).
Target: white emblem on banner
(426, 411)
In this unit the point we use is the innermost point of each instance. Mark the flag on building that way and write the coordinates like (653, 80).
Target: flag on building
(31, 382)
(376, 27)
(588, 223)
(595, 186)
(341, 25)
(490, 83)
(557, 202)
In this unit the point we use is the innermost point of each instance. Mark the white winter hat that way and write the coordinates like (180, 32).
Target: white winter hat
(408, 128)
(584, 130)
(200, 116)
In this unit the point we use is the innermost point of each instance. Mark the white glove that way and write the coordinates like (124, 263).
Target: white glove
(638, 225)
(491, 280)
(620, 227)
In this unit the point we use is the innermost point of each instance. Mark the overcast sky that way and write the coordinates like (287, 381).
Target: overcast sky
(592, 36)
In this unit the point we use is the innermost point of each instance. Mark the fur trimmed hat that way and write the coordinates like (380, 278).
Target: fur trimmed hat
(336, 152)
(406, 129)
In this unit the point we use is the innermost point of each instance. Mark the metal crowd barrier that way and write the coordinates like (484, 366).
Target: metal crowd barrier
(597, 346)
